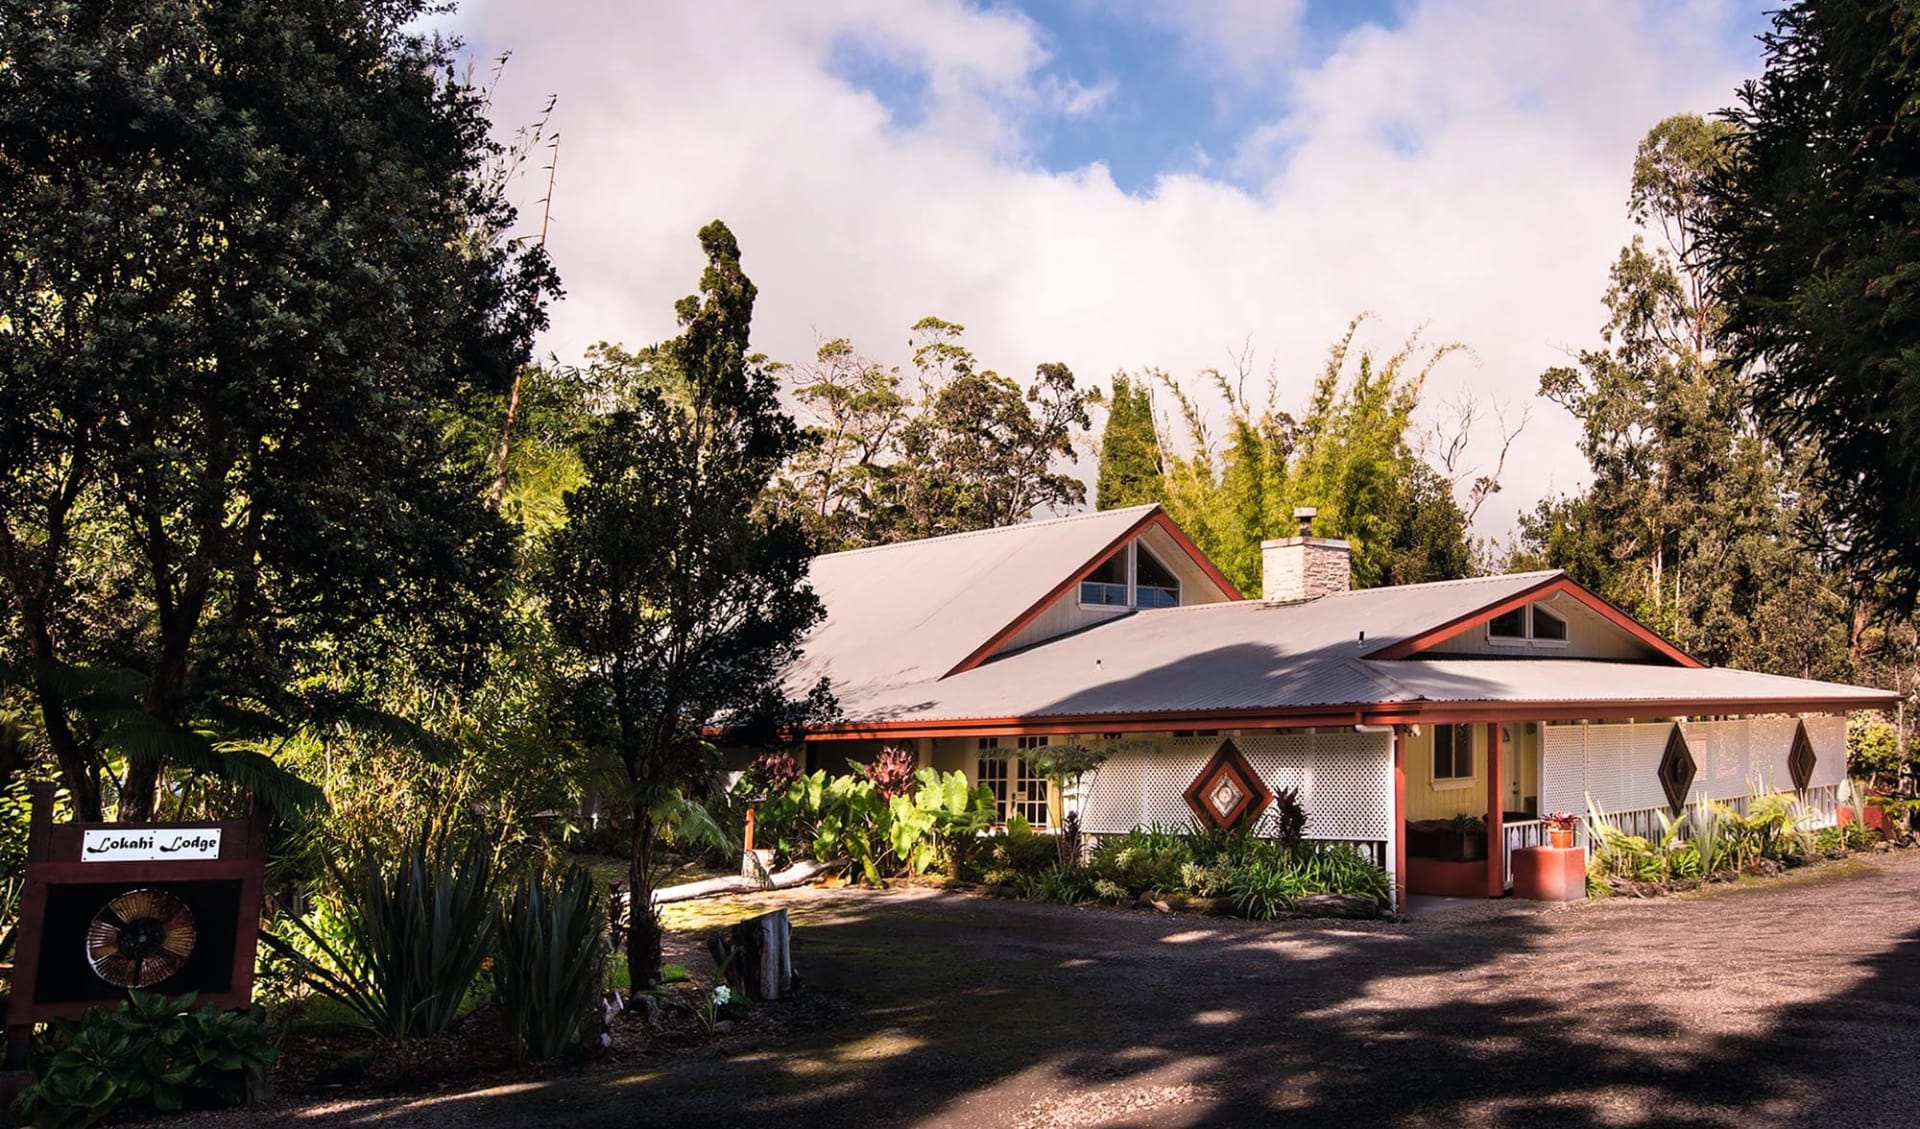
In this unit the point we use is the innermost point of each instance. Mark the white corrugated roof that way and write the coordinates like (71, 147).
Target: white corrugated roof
(903, 614)
(1261, 656)
(1240, 655)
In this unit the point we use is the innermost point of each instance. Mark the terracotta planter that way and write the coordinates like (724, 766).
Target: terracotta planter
(1561, 840)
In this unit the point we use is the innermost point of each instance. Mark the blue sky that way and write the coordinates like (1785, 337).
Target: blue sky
(1167, 107)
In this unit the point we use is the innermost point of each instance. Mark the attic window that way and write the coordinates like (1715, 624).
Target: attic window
(1106, 586)
(1548, 625)
(1155, 586)
(1509, 625)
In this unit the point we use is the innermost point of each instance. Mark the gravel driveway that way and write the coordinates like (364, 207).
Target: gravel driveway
(1792, 1002)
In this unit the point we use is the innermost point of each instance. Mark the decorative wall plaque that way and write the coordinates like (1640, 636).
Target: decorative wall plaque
(1228, 792)
(1801, 758)
(1677, 770)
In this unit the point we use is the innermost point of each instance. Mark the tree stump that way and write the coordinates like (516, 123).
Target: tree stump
(757, 955)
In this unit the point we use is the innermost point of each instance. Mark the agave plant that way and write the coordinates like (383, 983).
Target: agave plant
(412, 933)
(550, 959)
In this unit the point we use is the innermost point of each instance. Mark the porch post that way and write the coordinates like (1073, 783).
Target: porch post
(1400, 819)
(1496, 814)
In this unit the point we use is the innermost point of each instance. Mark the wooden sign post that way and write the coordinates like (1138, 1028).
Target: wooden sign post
(108, 907)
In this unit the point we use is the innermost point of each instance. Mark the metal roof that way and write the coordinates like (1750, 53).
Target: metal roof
(903, 614)
(1256, 655)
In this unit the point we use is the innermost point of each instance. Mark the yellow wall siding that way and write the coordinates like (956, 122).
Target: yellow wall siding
(1589, 636)
(1424, 800)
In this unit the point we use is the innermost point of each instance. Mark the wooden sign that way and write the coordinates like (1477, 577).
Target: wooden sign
(170, 908)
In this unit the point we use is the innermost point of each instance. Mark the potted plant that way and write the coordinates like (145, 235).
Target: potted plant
(1560, 826)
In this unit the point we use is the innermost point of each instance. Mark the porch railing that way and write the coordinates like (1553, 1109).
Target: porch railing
(1820, 808)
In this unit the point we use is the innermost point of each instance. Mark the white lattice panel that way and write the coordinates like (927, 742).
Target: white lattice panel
(1345, 782)
(1140, 787)
(1767, 768)
(1563, 769)
(1609, 754)
(1829, 736)
(1724, 752)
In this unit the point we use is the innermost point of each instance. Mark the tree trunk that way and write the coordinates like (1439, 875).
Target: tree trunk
(643, 930)
(758, 955)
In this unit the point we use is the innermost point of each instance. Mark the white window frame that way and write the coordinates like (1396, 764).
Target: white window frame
(1447, 783)
(1526, 624)
(1132, 584)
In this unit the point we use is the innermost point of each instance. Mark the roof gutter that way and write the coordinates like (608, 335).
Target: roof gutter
(1365, 714)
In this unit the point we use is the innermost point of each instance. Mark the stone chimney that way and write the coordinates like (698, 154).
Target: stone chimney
(1304, 567)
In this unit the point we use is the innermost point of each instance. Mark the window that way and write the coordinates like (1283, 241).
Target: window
(1548, 625)
(1106, 586)
(1155, 586)
(1452, 752)
(1509, 625)
(1017, 789)
(1532, 622)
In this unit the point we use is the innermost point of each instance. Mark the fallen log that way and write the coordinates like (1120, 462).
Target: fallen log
(798, 874)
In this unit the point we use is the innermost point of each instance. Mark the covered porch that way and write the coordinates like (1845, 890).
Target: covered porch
(1467, 795)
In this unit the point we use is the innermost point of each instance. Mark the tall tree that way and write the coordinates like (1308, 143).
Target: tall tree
(1690, 519)
(678, 594)
(965, 449)
(246, 262)
(1351, 455)
(1813, 229)
(1131, 464)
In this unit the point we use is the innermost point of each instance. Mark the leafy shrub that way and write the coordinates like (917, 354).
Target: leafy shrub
(1207, 880)
(848, 817)
(412, 934)
(1020, 852)
(1144, 860)
(550, 961)
(1263, 887)
(771, 774)
(150, 1054)
(892, 772)
(1873, 747)
(1067, 885)
(1858, 836)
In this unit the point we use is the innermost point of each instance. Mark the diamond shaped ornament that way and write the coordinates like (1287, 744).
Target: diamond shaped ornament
(1801, 758)
(1677, 770)
(1228, 792)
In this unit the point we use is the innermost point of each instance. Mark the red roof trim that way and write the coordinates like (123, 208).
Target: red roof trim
(1156, 517)
(1549, 587)
(1384, 713)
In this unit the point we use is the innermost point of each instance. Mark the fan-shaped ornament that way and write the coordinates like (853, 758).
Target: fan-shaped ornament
(140, 938)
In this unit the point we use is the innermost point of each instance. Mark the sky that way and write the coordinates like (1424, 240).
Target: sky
(1117, 184)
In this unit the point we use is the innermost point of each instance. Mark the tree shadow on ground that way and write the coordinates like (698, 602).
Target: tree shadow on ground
(1789, 1005)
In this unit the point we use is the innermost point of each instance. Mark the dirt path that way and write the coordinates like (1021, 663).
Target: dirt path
(1794, 1002)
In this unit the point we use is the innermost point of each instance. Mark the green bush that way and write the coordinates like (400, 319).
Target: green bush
(848, 817)
(408, 939)
(1067, 885)
(150, 1054)
(548, 970)
(1018, 853)
(1143, 861)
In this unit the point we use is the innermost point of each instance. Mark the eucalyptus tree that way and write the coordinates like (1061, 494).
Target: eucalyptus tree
(248, 265)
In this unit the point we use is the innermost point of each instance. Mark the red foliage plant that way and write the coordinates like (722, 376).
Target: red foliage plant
(892, 771)
(771, 773)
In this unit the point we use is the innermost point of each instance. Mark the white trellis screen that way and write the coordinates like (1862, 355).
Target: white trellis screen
(1345, 781)
(1618, 765)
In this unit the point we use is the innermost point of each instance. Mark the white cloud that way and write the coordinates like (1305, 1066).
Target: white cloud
(1465, 169)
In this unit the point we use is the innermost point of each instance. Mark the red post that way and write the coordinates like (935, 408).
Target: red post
(749, 842)
(1400, 819)
(1496, 814)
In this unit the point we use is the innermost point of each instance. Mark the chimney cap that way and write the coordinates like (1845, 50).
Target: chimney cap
(1305, 515)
